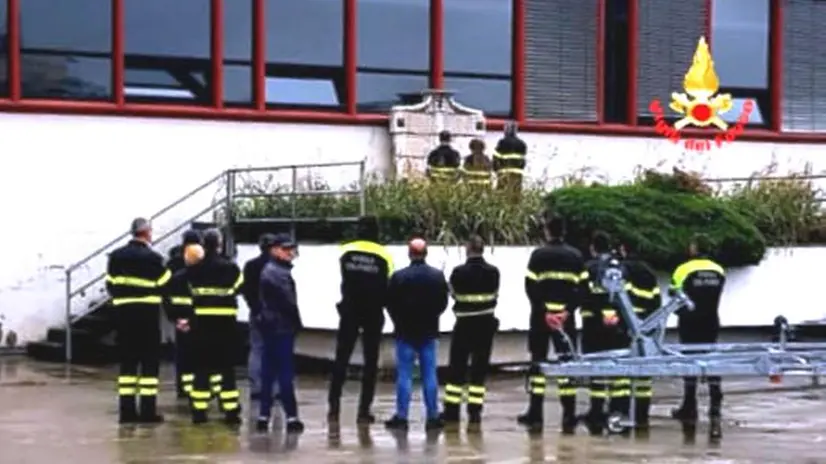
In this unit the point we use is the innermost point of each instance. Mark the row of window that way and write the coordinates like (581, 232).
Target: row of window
(66, 49)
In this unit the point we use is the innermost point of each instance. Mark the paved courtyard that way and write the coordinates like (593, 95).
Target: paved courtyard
(52, 414)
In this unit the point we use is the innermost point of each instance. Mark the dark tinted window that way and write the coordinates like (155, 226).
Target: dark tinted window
(393, 50)
(740, 42)
(65, 49)
(238, 52)
(305, 52)
(477, 41)
(4, 53)
(167, 50)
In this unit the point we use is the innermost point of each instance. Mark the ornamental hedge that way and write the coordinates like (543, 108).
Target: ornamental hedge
(656, 214)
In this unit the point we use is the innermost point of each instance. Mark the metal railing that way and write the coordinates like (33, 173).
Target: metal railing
(226, 184)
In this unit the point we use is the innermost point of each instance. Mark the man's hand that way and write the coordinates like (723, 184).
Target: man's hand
(182, 325)
(610, 319)
(556, 320)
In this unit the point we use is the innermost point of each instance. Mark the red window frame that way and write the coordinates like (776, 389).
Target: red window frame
(259, 111)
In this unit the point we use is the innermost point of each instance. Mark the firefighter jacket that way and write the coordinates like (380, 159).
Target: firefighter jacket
(366, 268)
(475, 288)
(443, 164)
(178, 297)
(509, 157)
(552, 283)
(644, 290)
(596, 301)
(215, 283)
(136, 276)
(477, 170)
(702, 280)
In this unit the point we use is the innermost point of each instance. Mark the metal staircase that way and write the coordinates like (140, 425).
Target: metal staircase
(89, 321)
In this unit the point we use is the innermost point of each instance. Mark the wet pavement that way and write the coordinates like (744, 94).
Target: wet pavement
(52, 414)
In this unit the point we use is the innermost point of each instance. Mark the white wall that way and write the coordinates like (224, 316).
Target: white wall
(753, 296)
(71, 183)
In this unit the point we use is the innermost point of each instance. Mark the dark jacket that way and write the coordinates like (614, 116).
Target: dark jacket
(178, 297)
(212, 273)
(136, 276)
(278, 299)
(510, 155)
(644, 291)
(443, 163)
(595, 300)
(252, 280)
(366, 268)
(475, 287)
(553, 280)
(417, 297)
(703, 281)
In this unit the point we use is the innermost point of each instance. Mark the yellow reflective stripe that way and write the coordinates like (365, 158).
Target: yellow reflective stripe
(598, 393)
(150, 381)
(510, 171)
(554, 275)
(482, 312)
(695, 265)
(212, 291)
(230, 395)
(201, 395)
(566, 391)
(555, 307)
(644, 394)
(140, 282)
(639, 310)
(238, 283)
(475, 298)
(586, 313)
(538, 380)
(136, 300)
(442, 169)
(476, 390)
(187, 377)
(563, 380)
(164, 278)
(451, 388)
(476, 172)
(181, 300)
(366, 246)
(230, 406)
(200, 405)
(148, 392)
(127, 379)
(508, 156)
(452, 399)
(620, 393)
(127, 391)
(609, 313)
(187, 388)
(642, 383)
(648, 294)
(216, 378)
(621, 382)
(216, 311)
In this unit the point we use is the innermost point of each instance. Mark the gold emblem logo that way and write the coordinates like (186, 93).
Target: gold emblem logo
(700, 103)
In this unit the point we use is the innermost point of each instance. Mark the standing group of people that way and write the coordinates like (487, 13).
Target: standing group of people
(445, 164)
(560, 281)
(198, 287)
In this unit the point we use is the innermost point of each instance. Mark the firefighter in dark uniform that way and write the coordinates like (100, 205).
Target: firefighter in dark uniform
(475, 288)
(183, 350)
(443, 162)
(136, 280)
(366, 267)
(477, 169)
(644, 292)
(702, 280)
(509, 161)
(555, 272)
(215, 283)
(179, 312)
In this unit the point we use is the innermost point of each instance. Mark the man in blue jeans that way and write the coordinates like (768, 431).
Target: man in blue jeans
(278, 321)
(417, 297)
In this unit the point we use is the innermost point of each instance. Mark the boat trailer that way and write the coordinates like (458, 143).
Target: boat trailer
(649, 356)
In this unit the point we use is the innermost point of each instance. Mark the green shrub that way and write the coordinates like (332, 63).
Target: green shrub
(657, 223)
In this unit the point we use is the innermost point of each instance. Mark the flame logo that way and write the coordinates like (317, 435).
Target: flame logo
(699, 104)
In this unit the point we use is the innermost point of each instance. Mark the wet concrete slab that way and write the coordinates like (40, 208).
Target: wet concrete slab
(52, 414)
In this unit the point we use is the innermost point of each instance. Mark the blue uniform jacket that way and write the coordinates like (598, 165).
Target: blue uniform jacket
(278, 299)
(417, 297)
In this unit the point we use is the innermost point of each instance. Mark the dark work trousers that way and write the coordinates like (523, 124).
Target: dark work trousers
(596, 337)
(277, 364)
(701, 334)
(184, 366)
(539, 338)
(369, 323)
(139, 347)
(472, 340)
(214, 340)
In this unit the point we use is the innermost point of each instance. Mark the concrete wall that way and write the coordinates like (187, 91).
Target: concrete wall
(69, 184)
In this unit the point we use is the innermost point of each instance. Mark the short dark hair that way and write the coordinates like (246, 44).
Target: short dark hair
(702, 243)
(555, 224)
(212, 240)
(444, 136)
(476, 244)
(368, 228)
(601, 241)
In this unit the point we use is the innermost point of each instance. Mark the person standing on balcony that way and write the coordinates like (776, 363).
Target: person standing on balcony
(443, 161)
(509, 161)
(417, 296)
(183, 350)
(215, 283)
(477, 169)
(136, 279)
(366, 267)
(250, 292)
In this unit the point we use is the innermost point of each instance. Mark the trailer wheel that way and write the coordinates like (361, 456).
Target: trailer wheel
(616, 424)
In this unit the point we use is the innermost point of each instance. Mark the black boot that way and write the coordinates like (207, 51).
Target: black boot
(595, 417)
(397, 423)
(642, 413)
(233, 418)
(569, 420)
(450, 414)
(149, 410)
(127, 410)
(687, 412)
(333, 412)
(715, 393)
(262, 424)
(365, 418)
(533, 417)
(474, 414)
(199, 417)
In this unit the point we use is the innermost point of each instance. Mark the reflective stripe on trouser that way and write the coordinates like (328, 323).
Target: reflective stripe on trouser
(215, 382)
(453, 394)
(476, 395)
(536, 384)
(200, 399)
(186, 382)
(643, 388)
(598, 388)
(620, 388)
(565, 387)
(127, 385)
(229, 400)
(148, 386)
